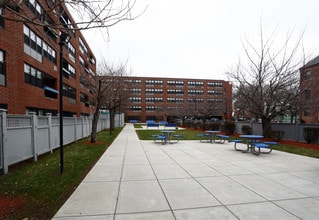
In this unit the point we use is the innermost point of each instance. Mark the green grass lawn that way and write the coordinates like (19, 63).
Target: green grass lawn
(191, 135)
(187, 134)
(42, 190)
(297, 150)
(40, 186)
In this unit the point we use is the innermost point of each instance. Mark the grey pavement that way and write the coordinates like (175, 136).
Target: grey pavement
(137, 179)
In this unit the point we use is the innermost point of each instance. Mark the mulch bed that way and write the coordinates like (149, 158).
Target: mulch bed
(9, 205)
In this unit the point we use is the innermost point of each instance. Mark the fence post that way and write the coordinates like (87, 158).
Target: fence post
(34, 127)
(297, 131)
(82, 126)
(75, 124)
(49, 117)
(3, 144)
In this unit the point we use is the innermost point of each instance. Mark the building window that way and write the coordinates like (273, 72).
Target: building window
(71, 50)
(1, 18)
(154, 82)
(175, 91)
(136, 91)
(135, 99)
(175, 83)
(195, 83)
(36, 8)
(82, 47)
(42, 80)
(306, 112)
(33, 76)
(85, 99)
(70, 92)
(136, 108)
(214, 92)
(68, 70)
(308, 74)
(3, 106)
(307, 94)
(2, 69)
(36, 47)
(192, 91)
(215, 84)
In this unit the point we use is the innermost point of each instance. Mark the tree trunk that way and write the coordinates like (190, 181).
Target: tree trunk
(112, 120)
(266, 127)
(94, 126)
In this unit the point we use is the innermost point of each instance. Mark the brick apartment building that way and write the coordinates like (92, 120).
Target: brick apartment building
(309, 81)
(155, 98)
(30, 69)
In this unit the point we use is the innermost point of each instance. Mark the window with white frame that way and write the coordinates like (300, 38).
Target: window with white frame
(36, 47)
(71, 50)
(2, 69)
(308, 74)
(1, 18)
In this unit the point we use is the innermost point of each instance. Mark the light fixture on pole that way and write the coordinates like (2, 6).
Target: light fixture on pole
(64, 39)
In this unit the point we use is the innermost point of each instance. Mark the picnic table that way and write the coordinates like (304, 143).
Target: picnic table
(212, 135)
(168, 134)
(251, 139)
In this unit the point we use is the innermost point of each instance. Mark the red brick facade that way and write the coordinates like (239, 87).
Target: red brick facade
(309, 81)
(155, 98)
(21, 93)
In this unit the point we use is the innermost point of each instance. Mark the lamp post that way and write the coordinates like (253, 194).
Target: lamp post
(64, 38)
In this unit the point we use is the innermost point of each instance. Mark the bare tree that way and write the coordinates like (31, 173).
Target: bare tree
(268, 84)
(51, 14)
(112, 93)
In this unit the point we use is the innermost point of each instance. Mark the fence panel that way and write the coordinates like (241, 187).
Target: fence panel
(292, 131)
(19, 144)
(27, 136)
(43, 140)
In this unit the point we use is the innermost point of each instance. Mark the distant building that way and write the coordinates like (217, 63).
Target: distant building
(30, 67)
(309, 88)
(156, 98)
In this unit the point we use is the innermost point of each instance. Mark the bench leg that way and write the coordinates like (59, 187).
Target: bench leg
(236, 148)
(270, 149)
(260, 152)
(254, 150)
(202, 140)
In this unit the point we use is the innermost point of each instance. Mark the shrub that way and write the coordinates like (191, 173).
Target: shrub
(277, 134)
(215, 126)
(246, 129)
(310, 134)
(229, 127)
(189, 124)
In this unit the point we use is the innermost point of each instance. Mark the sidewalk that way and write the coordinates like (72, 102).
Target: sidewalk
(191, 180)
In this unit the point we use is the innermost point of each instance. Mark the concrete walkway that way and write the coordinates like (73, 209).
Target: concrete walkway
(191, 180)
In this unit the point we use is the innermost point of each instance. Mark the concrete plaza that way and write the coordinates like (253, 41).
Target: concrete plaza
(137, 179)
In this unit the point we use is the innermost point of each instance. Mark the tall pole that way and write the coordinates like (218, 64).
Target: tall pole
(61, 106)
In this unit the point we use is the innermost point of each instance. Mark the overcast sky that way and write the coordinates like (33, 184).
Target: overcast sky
(200, 38)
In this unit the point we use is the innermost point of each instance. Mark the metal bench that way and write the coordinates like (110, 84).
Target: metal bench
(236, 141)
(222, 138)
(152, 125)
(161, 138)
(177, 137)
(203, 137)
(170, 125)
(260, 145)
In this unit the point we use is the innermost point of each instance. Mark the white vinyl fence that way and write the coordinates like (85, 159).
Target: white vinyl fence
(293, 132)
(24, 137)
